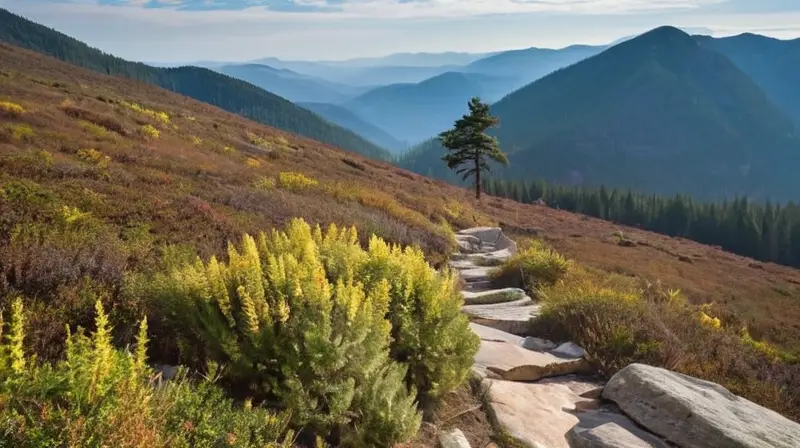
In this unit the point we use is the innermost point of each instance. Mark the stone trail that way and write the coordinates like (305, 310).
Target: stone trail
(543, 395)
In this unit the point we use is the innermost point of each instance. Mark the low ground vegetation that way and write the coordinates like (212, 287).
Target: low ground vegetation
(621, 320)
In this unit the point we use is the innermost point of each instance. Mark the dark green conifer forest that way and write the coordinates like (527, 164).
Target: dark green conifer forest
(764, 231)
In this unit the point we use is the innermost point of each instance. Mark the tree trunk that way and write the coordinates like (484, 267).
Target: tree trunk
(477, 180)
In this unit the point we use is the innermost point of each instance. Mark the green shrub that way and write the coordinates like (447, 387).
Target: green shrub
(9, 109)
(532, 268)
(316, 324)
(149, 132)
(99, 396)
(295, 181)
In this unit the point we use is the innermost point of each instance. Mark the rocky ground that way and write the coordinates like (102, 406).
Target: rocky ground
(542, 394)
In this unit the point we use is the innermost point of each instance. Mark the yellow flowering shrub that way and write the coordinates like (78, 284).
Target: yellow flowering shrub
(295, 181)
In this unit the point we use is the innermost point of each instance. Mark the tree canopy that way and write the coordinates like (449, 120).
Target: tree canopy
(469, 148)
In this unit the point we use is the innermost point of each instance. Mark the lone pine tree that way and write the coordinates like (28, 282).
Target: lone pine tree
(468, 144)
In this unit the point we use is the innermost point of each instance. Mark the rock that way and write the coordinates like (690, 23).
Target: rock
(607, 435)
(532, 343)
(166, 371)
(492, 334)
(570, 350)
(476, 274)
(537, 414)
(511, 317)
(493, 258)
(453, 439)
(593, 430)
(484, 234)
(594, 394)
(690, 412)
(468, 243)
(506, 359)
(493, 296)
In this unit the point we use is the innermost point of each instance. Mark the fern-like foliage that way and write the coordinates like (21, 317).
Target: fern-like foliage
(347, 339)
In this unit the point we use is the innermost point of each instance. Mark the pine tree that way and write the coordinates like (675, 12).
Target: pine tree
(468, 144)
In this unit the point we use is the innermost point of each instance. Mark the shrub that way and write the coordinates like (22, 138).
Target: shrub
(99, 396)
(253, 163)
(197, 141)
(264, 183)
(20, 131)
(315, 323)
(97, 131)
(94, 157)
(11, 110)
(618, 321)
(149, 132)
(86, 115)
(163, 117)
(532, 268)
(295, 181)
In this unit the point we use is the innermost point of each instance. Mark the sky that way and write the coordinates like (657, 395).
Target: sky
(240, 30)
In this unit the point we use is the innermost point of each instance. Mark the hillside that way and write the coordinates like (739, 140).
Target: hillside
(290, 85)
(415, 112)
(658, 114)
(349, 120)
(198, 83)
(205, 180)
(772, 63)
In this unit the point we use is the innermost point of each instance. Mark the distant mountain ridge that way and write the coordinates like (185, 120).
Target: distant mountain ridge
(201, 84)
(291, 85)
(658, 113)
(773, 64)
(350, 120)
(414, 112)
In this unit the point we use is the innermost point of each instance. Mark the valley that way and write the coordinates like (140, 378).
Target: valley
(286, 232)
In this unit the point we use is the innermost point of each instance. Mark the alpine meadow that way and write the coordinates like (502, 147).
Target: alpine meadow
(590, 245)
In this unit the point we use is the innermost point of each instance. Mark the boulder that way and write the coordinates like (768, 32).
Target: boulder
(690, 412)
(468, 243)
(569, 350)
(453, 439)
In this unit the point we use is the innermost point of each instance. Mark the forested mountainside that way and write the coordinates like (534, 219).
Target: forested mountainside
(658, 114)
(772, 63)
(348, 119)
(199, 83)
(763, 231)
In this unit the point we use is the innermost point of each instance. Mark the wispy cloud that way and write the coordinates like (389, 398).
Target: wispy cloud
(403, 9)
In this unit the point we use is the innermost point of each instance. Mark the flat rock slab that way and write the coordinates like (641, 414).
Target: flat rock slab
(484, 234)
(511, 317)
(494, 258)
(493, 296)
(505, 358)
(537, 415)
(690, 412)
(476, 274)
(607, 427)
(492, 334)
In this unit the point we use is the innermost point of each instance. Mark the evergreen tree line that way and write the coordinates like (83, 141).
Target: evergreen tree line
(763, 231)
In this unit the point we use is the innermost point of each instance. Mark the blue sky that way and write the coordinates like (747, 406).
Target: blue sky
(232, 30)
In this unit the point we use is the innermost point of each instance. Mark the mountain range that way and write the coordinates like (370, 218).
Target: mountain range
(659, 113)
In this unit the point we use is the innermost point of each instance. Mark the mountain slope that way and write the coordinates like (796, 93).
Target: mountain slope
(528, 65)
(293, 86)
(657, 113)
(349, 120)
(415, 112)
(202, 84)
(772, 63)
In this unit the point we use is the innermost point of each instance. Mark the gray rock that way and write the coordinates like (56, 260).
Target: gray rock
(538, 344)
(690, 412)
(607, 435)
(511, 317)
(493, 296)
(570, 350)
(453, 439)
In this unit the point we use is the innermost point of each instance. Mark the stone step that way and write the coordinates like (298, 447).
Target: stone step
(478, 274)
(493, 296)
(481, 286)
(512, 317)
